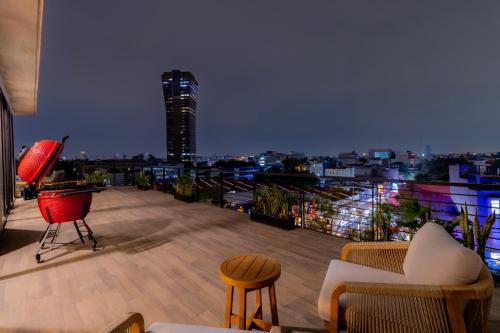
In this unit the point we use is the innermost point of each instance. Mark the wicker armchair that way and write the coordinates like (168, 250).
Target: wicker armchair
(376, 307)
(132, 322)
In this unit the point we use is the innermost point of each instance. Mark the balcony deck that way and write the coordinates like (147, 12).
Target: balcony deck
(157, 256)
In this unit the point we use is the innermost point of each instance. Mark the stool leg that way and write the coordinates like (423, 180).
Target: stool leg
(242, 315)
(274, 305)
(229, 306)
(258, 302)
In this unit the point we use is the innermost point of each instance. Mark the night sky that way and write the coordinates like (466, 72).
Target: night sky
(320, 77)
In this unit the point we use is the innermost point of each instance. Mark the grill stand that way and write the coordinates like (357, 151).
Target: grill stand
(52, 233)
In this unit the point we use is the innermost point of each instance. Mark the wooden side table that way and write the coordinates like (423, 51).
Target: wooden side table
(250, 272)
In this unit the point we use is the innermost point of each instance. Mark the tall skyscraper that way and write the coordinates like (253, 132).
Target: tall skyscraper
(428, 151)
(180, 90)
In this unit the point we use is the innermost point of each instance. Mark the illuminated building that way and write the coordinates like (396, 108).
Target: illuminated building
(180, 90)
(383, 154)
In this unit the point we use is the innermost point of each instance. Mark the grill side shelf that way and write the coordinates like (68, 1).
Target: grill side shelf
(90, 190)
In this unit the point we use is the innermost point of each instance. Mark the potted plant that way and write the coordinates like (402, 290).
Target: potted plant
(272, 207)
(475, 236)
(143, 181)
(97, 178)
(183, 187)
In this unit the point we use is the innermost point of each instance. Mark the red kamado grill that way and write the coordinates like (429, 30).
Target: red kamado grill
(58, 204)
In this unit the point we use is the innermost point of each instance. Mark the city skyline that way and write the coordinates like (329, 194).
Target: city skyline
(399, 75)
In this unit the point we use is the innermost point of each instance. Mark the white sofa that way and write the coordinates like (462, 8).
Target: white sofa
(134, 323)
(179, 328)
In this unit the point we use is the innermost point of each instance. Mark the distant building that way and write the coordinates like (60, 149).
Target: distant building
(353, 171)
(428, 151)
(382, 154)
(347, 159)
(317, 168)
(408, 158)
(297, 155)
(390, 173)
(341, 172)
(269, 158)
(180, 90)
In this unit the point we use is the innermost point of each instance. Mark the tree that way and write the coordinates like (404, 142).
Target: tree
(138, 157)
(403, 169)
(437, 169)
(292, 165)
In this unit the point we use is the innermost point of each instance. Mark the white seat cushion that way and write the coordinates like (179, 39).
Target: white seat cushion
(179, 328)
(435, 258)
(342, 271)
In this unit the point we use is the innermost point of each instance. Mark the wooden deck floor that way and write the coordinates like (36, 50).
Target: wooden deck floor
(159, 257)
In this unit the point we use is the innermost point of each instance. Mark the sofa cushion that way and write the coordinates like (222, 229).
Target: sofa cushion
(436, 258)
(342, 271)
(179, 328)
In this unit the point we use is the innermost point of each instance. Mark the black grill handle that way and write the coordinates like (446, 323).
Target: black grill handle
(64, 139)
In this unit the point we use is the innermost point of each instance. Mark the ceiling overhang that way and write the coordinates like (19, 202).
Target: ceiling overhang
(20, 43)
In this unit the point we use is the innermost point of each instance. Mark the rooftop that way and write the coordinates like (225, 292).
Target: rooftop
(158, 256)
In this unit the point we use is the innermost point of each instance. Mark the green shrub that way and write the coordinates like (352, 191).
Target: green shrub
(184, 185)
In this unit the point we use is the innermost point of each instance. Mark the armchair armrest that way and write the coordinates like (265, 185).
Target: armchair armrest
(388, 256)
(128, 323)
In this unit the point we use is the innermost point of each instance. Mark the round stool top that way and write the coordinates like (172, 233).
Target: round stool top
(250, 271)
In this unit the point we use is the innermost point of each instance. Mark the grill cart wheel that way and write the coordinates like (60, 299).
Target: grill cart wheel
(38, 258)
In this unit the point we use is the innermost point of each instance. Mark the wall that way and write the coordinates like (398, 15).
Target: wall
(7, 165)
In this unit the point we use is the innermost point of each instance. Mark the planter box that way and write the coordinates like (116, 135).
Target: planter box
(185, 198)
(274, 221)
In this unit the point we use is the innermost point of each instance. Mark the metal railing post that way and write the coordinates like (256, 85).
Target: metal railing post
(302, 199)
(373, 211)
(254, 187)
(164, 174)
(197, 184)
(221, 194)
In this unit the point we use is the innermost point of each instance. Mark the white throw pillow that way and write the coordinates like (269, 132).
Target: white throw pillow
(436, 258)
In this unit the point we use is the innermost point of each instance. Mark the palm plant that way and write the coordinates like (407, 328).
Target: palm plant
(272, 201)
(383, 221)
(413, 216)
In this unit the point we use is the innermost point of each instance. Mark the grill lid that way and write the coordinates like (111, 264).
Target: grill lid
(39, 160)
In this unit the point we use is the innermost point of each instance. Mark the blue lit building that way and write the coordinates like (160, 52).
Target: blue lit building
(486, 199)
